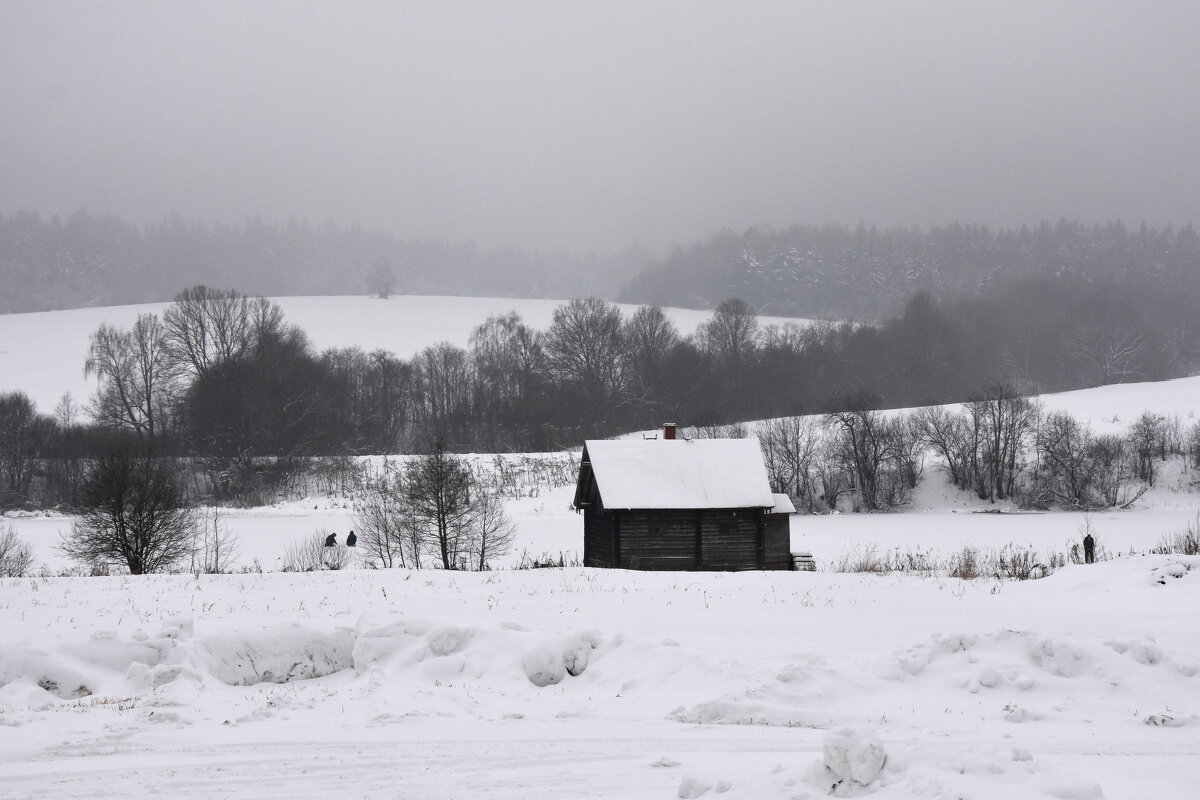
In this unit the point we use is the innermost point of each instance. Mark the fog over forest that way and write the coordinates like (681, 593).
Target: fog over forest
(595, 128)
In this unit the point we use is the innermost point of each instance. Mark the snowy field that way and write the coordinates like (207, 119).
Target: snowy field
(573, 682)
(601, 683)
(42, 353)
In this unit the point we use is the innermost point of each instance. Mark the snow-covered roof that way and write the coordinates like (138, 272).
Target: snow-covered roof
(680, 473)
(783, 504)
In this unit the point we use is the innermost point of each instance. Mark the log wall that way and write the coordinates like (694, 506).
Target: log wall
(709, 539)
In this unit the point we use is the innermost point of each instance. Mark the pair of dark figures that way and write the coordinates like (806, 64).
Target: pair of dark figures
(331, 540)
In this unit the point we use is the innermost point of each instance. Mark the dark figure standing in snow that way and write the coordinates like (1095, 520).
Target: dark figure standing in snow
(1089, 549)
(331, 540)
(351, 539)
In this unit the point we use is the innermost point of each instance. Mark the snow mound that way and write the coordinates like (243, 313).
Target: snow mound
(277, 654)
(854, 754)
(1059, 657)
(446, 640)
(1171, 571)
(692, 787)
(548, 662)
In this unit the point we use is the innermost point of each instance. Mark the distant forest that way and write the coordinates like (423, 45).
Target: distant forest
(868, 274)
(831, 272)
(88, 260)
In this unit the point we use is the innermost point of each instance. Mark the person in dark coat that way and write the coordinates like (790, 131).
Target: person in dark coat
(351, 539)
(1089, 549)
(331, 540)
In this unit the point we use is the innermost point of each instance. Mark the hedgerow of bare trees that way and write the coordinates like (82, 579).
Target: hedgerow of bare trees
(435, 510)
(242, 397)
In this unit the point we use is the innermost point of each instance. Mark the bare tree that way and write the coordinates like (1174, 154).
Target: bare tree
(492, 531)
(1146, 436)
(20, 436)
(872, 449)
(732, 333)
(1193, 444)
(1110, 355)
(1112, 468)
(214, 547)
(790, 446)
(585, 352)
(1067, 455)
(381, 279)
(1004, 422)
(133, 512)
(953, 438)
(386, 530)
(650, 337)
(443, 378)
(16, 556)
(137, 376)
(437, 491)
(205, 327)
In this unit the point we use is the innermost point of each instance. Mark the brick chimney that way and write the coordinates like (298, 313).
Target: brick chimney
(669, 430)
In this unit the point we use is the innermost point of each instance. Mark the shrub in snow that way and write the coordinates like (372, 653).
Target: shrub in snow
(312, 555)
(854, 754)
(16, 556)
(1182, 543)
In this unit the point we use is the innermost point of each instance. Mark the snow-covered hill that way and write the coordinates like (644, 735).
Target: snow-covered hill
(42, 354)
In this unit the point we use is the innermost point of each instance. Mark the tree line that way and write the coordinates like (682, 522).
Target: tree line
(869, 273)
(223, 379)
(97, 260)
(999, 446)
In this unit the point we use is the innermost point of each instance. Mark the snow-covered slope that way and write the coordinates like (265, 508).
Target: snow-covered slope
(42, 353)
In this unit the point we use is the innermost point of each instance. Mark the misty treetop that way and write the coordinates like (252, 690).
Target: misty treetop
(867, 273)
(828, 271)
(89, 260)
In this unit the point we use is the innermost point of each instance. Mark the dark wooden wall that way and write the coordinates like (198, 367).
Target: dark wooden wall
(779, 541)
(709, 539)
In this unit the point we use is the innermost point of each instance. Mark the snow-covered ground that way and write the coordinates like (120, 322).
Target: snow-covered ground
(604, 683)
(601, 683)
(580, 682)
(42, 353)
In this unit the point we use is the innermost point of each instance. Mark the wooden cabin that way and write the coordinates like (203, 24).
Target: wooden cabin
(680, 504)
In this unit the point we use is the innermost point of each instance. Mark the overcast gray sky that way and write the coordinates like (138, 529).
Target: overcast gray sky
(595, 125)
